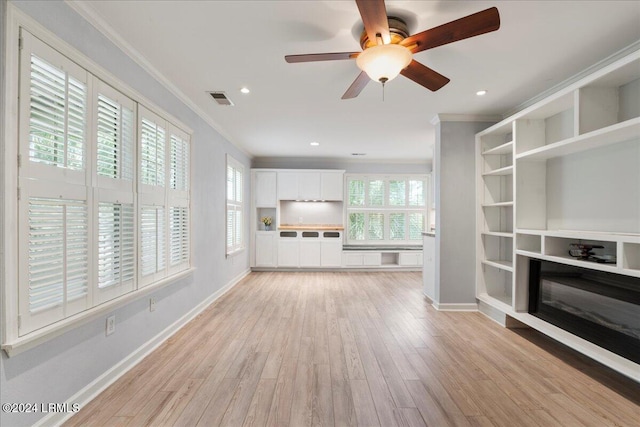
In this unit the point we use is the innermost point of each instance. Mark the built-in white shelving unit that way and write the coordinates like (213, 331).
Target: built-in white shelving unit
(565, 170)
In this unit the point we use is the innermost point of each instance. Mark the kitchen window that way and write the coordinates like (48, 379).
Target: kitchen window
(386, 210)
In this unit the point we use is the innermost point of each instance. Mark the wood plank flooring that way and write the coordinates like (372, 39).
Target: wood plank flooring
(358, 349)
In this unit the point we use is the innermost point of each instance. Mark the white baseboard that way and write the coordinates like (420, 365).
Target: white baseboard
(455, 307)
(97, 386)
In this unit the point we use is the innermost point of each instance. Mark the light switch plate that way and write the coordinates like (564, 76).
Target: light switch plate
(111, 325)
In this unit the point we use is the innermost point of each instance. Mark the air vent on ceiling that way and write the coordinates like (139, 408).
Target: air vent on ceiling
(358, 154)
(221, 98)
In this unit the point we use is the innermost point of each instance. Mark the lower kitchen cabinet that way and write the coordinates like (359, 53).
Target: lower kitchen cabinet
(265, 255)
(310, 253)
(288, 251)
(331, 254)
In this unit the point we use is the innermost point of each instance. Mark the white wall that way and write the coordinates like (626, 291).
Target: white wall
(455, 194)
(56, 370)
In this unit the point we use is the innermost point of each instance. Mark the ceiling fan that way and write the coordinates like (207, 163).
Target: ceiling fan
(387, 47)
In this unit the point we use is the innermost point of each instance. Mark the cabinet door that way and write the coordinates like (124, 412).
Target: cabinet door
(309, 185)
(331, 185)
(265, 189)
(287, 186)
(288, 252)
(309, 254)
(331, 254)
(265, 250)
(411, 258)
(372, 259)
(353, 259)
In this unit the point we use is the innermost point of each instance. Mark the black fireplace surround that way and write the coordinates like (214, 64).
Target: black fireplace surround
(601, 307)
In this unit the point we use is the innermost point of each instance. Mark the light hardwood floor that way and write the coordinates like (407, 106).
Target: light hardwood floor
(302, 349)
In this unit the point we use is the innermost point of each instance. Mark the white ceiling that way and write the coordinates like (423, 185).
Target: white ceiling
(224, 45)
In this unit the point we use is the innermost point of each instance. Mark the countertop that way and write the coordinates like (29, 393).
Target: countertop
(322, 227)
(429, 233)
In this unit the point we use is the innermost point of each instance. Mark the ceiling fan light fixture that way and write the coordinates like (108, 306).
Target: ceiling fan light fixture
(384, 62)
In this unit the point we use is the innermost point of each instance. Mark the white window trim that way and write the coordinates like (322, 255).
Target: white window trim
(12, 342)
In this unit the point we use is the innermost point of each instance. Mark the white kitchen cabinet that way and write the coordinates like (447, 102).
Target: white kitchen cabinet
(332, 186)
(309, 186)
(331, 254)
(406, 259)
(264, 189)
(287, 186)
(265, 248)
(288, 251)
(310, 253)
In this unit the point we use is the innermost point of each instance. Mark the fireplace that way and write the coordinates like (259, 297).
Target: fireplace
(601, 307)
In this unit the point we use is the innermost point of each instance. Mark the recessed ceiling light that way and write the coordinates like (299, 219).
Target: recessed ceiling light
(358, 154)
(315, 144)
(245, 90)
(481, 92)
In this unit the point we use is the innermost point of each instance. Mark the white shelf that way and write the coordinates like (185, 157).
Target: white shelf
(497, 205)
(507, 170)
(609, 236)
(497, 233)
(609, 268)
(500, 149)
(619, 132)
(499, 263)
(502, 302)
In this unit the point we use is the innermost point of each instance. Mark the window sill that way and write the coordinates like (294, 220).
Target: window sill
(235, 253)
(35, 338)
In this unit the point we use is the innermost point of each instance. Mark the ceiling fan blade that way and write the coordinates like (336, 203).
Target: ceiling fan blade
(374, 17)
(356, 87)
(473, 25)
(313, 57)
(424, 76)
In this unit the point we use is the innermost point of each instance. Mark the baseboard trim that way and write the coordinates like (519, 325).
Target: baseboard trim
(97, 386)
(455, 307)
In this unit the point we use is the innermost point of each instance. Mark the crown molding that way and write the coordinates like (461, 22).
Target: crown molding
(633, 47)
(91, 16)
(439, 118)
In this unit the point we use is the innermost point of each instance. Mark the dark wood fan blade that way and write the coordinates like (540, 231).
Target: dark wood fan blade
(312, 57)
(470, 26)
(356, 87)
(424, 76)
(374, 17)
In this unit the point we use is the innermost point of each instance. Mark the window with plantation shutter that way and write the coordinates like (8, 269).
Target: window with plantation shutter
(235, 206)
(103, 197)
(385, 209)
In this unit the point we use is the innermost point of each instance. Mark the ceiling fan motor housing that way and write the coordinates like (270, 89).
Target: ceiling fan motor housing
(397, 30)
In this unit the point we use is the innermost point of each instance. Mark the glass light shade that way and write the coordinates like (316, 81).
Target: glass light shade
(384, 61)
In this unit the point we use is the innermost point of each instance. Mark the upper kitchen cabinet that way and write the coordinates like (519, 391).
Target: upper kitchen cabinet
(265, 189)
(310, 185)
(332, 185)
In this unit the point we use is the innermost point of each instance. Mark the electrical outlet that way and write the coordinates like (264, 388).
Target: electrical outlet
(152, 304)
(111, 325)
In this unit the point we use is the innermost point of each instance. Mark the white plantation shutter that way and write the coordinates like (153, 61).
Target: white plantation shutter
(178, 237)
(235, 206)
(416, 225)
(179, 176)
(57, 265)
(53, 114)
(115, 138)
(152, 244)
(153, 151)
(397, 226)
(116, 250)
